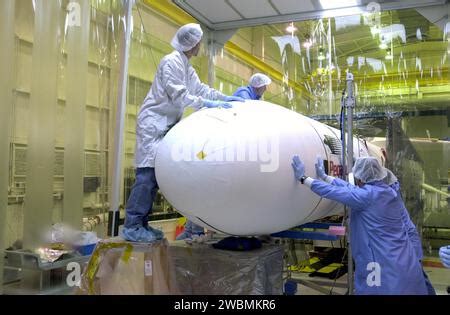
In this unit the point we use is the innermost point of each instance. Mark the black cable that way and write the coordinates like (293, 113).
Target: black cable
(337, 273)
(342, 260)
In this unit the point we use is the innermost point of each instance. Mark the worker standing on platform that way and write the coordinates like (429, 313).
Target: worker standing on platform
(176, 86)
(385, 259)
(258, 84)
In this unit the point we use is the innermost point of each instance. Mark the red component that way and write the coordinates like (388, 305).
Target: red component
(179, 230)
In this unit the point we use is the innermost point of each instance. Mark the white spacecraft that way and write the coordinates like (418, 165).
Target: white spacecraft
(230, 171)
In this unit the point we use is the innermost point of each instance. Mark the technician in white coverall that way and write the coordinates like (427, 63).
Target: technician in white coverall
(175, 87)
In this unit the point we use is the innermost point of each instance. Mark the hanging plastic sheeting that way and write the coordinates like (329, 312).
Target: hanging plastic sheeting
(375, 64)
(283, 41)
(418, 34)
(350, 61)
(72, 45)
(287, 64)
(7, 7)
(143, 63)
(343, 22)
(41, 137)
(104, 57)
(389, 33)
(77, 42)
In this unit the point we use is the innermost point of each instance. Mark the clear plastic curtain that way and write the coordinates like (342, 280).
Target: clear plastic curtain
(76, 40)
(107, 29)
(7, 62)
(67, 58)
(39, 201)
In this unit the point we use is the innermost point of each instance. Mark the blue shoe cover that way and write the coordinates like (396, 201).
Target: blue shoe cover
(158, 233)
(139, 234)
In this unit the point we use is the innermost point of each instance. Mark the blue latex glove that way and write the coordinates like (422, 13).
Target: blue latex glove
(320, 169)
(298, 166)
(215, 104)
(191, 229)
(444, 254)
(234, 98)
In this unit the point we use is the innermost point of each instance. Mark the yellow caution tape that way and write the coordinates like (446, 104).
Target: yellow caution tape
(181, 221)
(94, 262)
(304, 266)
(330, 268)
(127, 253)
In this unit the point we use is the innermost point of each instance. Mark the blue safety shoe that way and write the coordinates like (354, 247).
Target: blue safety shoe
(139, 234)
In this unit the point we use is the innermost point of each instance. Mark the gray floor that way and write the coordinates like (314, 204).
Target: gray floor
(440, 279)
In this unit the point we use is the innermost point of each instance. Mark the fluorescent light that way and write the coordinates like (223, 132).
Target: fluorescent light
(291, 28)
(307, 43)
(321, 55)
(375, 30)
(336, 4)
(389, 55)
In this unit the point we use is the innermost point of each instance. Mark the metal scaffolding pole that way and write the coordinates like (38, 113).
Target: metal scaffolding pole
(349, 105)
(113, 222)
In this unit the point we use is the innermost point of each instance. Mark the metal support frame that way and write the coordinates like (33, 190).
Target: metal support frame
(113, 223)
(190, 8)
(176, 14)
(347, 147)
(309, 235)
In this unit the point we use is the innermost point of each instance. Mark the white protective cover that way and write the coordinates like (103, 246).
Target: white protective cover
(229, 170)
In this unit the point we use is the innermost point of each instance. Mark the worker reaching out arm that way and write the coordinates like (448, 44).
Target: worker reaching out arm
(386, 261)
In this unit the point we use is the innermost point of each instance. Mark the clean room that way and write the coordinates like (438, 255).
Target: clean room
(224, 147)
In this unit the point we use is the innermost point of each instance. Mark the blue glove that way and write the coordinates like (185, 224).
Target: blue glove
(320, 169)
(234, 98)
(298, 166)
(215, 104)
(190, 230)
(444, 254)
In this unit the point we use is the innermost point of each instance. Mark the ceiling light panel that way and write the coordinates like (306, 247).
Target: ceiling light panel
(253, 8)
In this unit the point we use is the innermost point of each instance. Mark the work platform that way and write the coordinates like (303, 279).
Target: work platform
(119, 267)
